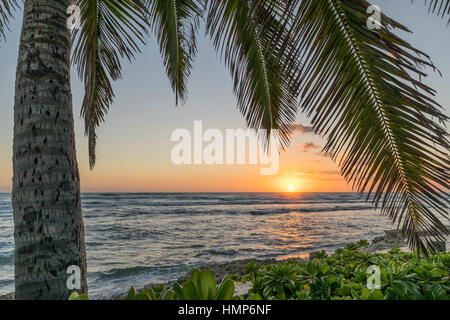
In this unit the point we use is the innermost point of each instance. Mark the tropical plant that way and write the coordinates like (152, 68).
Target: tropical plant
(403, 276)
(6, 10)
(202, 286)
(359, 87)
(356, 246)
(357, 84)
(158, 292)
(48, 226)
(78, 297)
(250, 272)
(322, 254)
(279, 281)
(363, 243)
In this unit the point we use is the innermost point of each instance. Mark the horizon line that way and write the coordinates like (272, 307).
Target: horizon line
(212, 192)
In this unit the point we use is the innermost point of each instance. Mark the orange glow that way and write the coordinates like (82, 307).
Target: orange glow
(131, 171)
(135, 167)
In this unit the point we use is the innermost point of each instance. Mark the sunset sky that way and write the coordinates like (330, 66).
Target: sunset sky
(134, 147)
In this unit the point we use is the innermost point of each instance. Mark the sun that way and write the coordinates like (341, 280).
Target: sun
(291, 188)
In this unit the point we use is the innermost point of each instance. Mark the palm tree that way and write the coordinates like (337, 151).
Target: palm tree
(48, 227)
(357, 85)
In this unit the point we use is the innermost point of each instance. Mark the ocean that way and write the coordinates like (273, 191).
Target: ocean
(136, 239)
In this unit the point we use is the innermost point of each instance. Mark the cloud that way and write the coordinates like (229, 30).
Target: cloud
(330, 172)
(325, 154)
(308, 146)
(300, 128)
(320, 175)
(317, 172)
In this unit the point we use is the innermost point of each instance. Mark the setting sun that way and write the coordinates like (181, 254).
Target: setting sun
(291, 187)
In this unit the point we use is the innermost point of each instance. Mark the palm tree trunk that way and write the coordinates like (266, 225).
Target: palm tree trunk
(48, 226)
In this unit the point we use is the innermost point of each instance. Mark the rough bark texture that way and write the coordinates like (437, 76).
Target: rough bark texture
(48, 226)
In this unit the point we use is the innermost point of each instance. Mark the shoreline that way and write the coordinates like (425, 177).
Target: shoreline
(381, 244)
(391, 239)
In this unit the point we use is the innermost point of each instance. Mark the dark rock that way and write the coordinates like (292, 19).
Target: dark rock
(393, 235)
(439, 246)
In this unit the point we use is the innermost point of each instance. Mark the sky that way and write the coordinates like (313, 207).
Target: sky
(134, 144)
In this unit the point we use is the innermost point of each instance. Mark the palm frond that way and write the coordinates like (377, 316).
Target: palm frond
(6, 11)
(175, 23)
(440, 7)
(381, 123)
(110, 30)
(253, 40)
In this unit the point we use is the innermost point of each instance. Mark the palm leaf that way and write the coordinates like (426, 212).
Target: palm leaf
(110, 31)
(440, 7)
(253, 40)
(175, 24)
(6, 10)
(360, 87)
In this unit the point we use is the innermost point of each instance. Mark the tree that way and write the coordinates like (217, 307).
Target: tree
(48, 226)
(380, 122)
(356, 83)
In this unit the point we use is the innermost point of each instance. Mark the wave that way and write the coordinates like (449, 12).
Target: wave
(191, 199)
(117, 273)
(190, 203)
(129, 212)
(6, 258)
(308, 210)
(130, 237)
(213, 252)
(136, 271)
(6, 282)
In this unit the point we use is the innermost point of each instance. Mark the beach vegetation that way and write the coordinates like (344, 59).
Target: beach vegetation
(341, 276)
(202, 286)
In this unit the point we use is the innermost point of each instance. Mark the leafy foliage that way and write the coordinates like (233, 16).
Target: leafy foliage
(279, 281)
(254, 41)
(356, 246)
(360, 87)
(176, 25)
(159, 292)
(76, 296)
(322, 254)
(440, 7)
(202, 286)
(343, 277)
(6, 10)
(110, 30)
(251, 35)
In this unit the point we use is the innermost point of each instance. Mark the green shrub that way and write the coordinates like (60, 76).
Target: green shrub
(343, 276)
(202, 286)
(76, 296)
(322, 254)
(159, 292)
